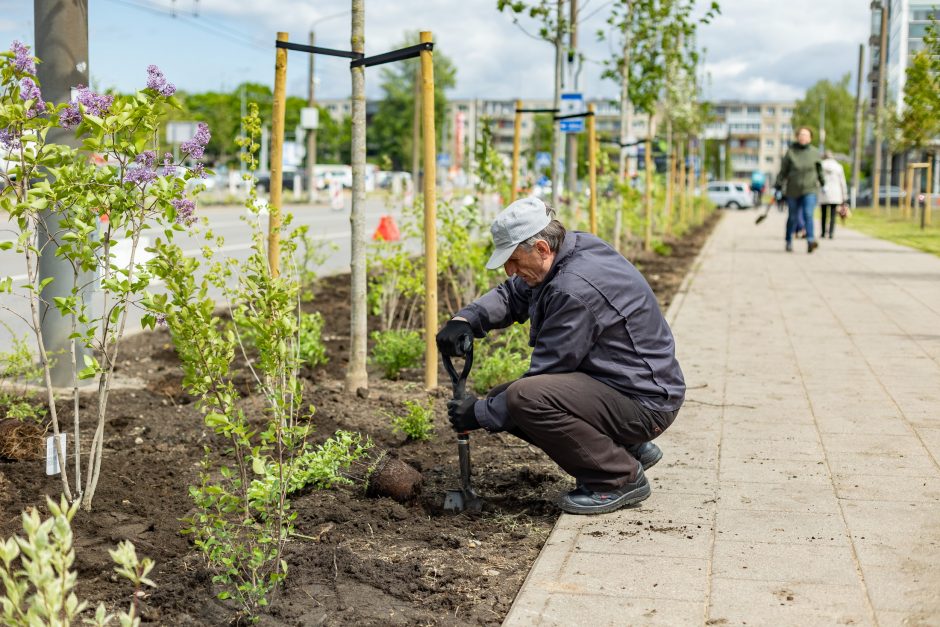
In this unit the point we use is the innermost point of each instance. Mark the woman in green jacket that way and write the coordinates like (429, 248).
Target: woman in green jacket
(800, 178)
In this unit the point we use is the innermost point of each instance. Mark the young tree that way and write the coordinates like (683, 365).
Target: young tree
(552, 28)
(920, 119)
(356, 374)
(839, 115)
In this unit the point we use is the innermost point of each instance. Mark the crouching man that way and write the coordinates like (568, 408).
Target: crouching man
(603, 381)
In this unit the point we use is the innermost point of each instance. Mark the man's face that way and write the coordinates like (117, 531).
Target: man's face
(804, 137)
(530, 265)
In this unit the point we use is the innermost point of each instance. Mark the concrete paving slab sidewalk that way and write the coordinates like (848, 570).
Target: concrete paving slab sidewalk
(800, 483)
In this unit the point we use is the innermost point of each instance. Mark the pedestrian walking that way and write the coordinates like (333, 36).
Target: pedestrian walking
(800, 178)
(603, 379)
(834, 195)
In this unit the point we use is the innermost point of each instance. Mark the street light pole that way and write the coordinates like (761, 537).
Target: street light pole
(311, 132)
(61, 32)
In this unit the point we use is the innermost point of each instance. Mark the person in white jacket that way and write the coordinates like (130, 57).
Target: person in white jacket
(834, 194)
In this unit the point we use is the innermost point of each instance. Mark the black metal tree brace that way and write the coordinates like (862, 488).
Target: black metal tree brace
(586, 114)
(318, 50)
(359, 59)
(622, 144)
(536, 110)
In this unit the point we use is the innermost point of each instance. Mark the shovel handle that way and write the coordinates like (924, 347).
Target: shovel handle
(460, 381)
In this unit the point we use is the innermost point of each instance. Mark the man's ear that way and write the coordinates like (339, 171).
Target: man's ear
(543, 248)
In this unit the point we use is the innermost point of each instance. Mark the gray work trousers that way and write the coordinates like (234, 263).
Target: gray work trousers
(583, 425)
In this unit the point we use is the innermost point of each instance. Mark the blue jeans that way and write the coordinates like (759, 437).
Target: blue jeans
(801, 207)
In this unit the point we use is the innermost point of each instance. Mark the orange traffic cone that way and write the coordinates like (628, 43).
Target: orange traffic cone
(387, 230)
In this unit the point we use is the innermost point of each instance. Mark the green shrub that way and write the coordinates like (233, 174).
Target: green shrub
(17, 370)
(38, 580)
(310, 340)
(501, 358)
(396, 350)
(417, 423)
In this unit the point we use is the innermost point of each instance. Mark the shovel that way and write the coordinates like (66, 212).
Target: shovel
(464, 498)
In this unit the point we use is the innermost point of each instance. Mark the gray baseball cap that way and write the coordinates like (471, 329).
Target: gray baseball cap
(515, 224)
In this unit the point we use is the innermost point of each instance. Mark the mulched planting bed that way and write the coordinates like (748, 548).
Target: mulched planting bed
(362, 561)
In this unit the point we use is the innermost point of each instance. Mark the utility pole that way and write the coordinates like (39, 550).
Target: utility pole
(882, 59)
(556, 132)
(61, 34)
(822, 125)
(356, 374)
(571, 139)
(857, 156)
(311, 132)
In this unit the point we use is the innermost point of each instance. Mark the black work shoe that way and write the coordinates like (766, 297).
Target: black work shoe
(646, 453)
(583, 500)
(789, 247)
(811, 246)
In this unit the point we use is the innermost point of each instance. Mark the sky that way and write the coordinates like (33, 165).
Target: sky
(755, 50)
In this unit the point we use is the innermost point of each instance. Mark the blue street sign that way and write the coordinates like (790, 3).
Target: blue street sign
(543, 160)
(572, 102)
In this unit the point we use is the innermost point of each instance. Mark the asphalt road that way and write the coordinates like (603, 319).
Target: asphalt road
(329, 227)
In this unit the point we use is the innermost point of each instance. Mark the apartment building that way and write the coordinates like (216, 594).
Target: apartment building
(755, 134)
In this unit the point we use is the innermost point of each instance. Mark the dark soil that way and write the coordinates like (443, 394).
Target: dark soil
(362, 561)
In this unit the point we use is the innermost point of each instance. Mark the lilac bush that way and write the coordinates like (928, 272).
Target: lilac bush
(59, 184)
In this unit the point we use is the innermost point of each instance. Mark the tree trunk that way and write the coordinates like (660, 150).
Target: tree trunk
(625, 109)
(670, 178)
(356, 375)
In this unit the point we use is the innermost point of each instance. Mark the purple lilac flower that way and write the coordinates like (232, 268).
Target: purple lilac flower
(184, 210)
(29, 90)
(95, 104)
(160, 319)
(157, 82)
(22, 60)
(196, 147)
(9, 140)
(168, 168)
(142, 171)
(70, 117)
(146, 158)
(200, 170)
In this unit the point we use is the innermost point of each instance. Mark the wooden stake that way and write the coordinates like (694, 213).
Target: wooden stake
(277, 157)
(430, 214)
(648, 187)
(592, 165)
(516, 133)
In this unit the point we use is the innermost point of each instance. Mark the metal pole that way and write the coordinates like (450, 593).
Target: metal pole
(556, 126)
(430, 214)
(882, 54)
(311, 132)
(857, 157)
(592, 166)
(822, 125)
(571, 139)
(516, 132)
(61, 34)
(928, 180)
(277, 156)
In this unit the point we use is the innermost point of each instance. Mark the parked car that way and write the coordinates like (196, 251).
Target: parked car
(887, 195)
(730, 194)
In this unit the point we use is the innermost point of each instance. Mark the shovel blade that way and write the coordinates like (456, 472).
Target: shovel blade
(453, 501)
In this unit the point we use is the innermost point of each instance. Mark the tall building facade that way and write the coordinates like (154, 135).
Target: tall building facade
(907, 25)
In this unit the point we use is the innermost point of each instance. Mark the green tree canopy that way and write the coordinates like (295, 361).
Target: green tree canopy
(390, 132)
(840, 113)
(920, 120)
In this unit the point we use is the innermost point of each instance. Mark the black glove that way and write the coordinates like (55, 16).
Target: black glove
(454, 339)
(461, 414)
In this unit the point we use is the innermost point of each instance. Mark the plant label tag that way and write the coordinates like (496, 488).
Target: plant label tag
(53, 456)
